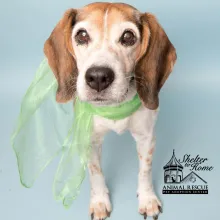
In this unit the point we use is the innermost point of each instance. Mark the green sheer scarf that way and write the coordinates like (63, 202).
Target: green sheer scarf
(46, 128)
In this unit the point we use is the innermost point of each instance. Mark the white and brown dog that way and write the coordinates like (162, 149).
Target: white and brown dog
(105, 53)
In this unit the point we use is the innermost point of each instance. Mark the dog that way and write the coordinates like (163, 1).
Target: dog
(106, 53)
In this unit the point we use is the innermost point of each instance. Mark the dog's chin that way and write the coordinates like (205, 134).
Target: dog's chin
(107, 101)
(101, 102)
(97, 100)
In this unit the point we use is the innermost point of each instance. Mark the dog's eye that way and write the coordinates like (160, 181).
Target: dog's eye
(82, 37)
(128, 38)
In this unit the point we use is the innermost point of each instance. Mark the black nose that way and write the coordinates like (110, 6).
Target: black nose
(99, 78)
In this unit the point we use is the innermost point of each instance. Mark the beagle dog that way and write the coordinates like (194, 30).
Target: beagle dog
(106, 53)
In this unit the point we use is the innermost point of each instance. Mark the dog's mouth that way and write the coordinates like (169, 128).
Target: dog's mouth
(99, 100)
(104, 101)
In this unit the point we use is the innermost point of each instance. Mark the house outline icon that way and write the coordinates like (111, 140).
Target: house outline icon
(192, 175)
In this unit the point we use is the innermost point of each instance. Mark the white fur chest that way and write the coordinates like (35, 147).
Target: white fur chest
(103, 124)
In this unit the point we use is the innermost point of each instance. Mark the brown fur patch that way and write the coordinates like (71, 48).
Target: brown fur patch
(158, 56)
(59, 53)
(94, 169)
(140, 157)
(149, 160)
(150, 152)
(95, 13)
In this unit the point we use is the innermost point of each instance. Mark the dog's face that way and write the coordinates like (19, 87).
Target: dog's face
(104, 50)
(106, 45)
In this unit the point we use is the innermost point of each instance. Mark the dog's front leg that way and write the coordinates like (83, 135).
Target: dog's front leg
(100, 205)
(142, 129)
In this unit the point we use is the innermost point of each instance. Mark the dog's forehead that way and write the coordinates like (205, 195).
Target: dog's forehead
(116, 12)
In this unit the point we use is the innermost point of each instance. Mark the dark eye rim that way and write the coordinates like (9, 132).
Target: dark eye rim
(134, 35)
(78, 40)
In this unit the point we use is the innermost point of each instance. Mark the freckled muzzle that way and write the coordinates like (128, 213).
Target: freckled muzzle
(99, 78)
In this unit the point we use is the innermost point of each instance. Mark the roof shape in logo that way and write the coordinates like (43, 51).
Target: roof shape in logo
(192, 177)
(173, 163)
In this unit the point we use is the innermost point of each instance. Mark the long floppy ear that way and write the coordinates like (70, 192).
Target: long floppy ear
(59, 52)
(158, 57)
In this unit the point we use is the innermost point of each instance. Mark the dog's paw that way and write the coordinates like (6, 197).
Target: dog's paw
(100, 206)
(149, 205)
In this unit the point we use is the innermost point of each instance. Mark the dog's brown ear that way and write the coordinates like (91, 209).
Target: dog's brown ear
(158, 57)
(59, 52)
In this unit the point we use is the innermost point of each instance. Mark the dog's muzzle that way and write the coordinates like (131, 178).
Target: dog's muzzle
(99, 77)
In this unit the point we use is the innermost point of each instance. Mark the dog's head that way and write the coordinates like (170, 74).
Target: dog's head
(103, 50)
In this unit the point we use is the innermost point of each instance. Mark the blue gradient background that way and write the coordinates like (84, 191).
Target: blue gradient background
(188, 120)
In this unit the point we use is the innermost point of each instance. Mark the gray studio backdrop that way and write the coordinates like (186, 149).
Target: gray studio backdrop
(188, 120)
